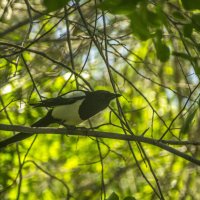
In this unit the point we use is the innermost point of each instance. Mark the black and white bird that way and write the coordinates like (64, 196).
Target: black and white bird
(69, 109)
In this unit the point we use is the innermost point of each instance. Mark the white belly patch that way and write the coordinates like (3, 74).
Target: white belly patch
(69, 114)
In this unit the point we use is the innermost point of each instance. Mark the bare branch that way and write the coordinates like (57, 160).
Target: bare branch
(99, 134)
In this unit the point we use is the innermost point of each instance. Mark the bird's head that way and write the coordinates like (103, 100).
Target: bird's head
(104, 96)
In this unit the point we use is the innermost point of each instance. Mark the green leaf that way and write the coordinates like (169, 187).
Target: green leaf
(139, 23)
(178, 15)
(145, 23)
(196, 21)
(156, 18)
(129, 198)
(187, 124)
(162, 51)
(53, 5)
(118, 6)
(159, 34)
(197, 69)
(187, 30)
(153, 18)
(140, 29)
(191, 4)
(113, 196)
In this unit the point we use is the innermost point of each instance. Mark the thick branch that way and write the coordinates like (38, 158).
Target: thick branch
(88, 132)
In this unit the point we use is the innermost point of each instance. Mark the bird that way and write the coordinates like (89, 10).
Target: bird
(69, 109)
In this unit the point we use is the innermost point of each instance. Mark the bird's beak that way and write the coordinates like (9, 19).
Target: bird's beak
(116, 96)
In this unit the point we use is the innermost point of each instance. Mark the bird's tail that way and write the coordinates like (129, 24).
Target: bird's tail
(43, 122)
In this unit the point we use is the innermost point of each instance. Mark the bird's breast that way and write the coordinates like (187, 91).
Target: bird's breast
(69, 114)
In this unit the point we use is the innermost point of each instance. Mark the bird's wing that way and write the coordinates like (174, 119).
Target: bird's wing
(64, 99)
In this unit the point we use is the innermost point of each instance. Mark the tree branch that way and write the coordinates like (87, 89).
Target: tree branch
(88, 132)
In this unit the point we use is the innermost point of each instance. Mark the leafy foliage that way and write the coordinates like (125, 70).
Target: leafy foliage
(148, 51)
(52, 5)
(144, 25)
(191, 5)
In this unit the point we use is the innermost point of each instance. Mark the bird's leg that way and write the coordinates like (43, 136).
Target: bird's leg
(69, 127)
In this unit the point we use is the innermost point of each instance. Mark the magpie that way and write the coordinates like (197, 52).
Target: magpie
(69, 109)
